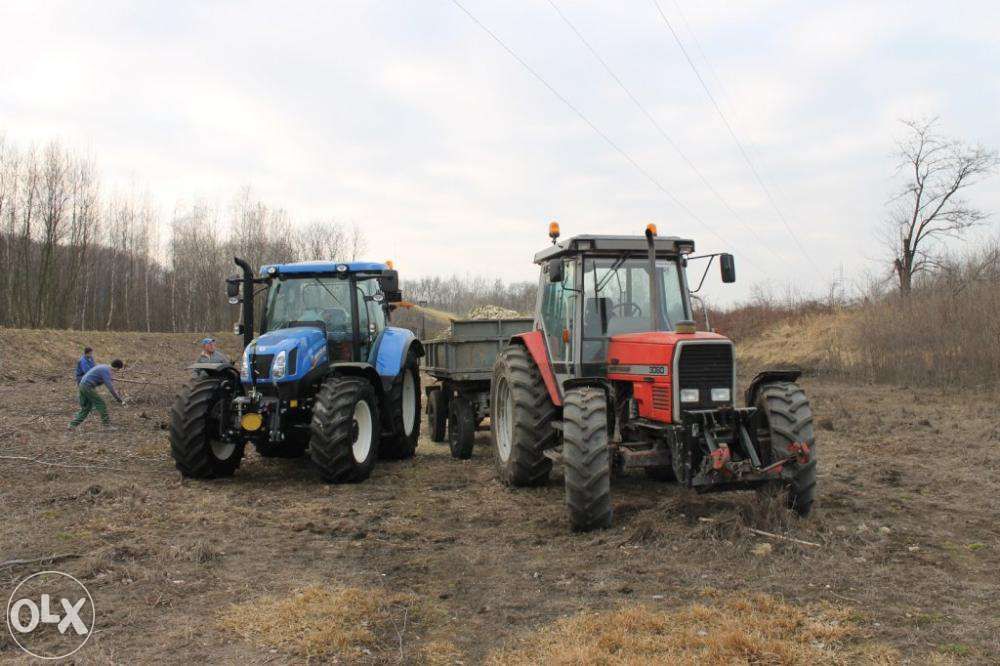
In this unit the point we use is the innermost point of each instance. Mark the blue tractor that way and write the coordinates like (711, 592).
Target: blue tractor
(327, 374)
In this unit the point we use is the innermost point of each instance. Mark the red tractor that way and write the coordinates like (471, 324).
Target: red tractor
(615, 377)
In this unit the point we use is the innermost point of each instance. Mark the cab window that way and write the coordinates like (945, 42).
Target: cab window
(558, 302)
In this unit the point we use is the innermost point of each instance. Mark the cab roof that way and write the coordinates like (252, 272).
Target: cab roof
(613, 244)
(323, 268)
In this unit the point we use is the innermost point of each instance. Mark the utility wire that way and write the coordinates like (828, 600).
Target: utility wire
(732, 133)
(638, 167)
(666, 137)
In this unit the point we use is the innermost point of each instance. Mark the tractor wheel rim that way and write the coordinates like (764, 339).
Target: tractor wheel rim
(222, 450)
(504, 417)
(362, 445)
(409, 403)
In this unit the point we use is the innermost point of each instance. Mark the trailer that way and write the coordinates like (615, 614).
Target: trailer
(462, 365)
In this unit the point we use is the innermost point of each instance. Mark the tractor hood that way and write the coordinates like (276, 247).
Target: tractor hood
(287, 339)
(652, 347)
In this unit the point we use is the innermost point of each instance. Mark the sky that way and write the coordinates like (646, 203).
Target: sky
(410, 121)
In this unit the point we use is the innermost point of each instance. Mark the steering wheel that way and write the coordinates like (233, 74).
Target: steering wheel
(626, 309)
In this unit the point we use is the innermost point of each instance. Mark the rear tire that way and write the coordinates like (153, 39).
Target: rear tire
(194, 427)
(404, 401)
(520, 419)
(461, 428)
(787, 418)
(345, 430)
(586, 461)
(437, 415)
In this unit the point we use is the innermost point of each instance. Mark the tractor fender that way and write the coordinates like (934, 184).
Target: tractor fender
(217, 370)
(534, 342)
(766, 377)
(390, 350)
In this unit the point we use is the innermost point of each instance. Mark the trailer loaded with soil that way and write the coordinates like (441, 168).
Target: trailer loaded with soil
(462, 363)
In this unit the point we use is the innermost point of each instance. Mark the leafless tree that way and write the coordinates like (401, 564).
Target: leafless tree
(930, 207)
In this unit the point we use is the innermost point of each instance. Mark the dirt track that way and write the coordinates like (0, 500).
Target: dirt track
(907, 520)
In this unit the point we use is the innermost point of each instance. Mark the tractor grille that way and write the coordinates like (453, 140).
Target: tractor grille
(661, 397)
(704, 367)
(262, 365)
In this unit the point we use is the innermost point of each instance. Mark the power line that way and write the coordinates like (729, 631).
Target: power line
(638, 167)
(732, 133)
(656, 125)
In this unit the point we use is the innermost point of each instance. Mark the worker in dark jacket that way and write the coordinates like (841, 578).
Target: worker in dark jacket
(85, 363)
(89, 398)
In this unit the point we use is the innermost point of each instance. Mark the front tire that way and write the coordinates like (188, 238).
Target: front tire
(194, 426)
(786, 419)
(586, 461)
(345, 430)
(405, 406)
(521, 419)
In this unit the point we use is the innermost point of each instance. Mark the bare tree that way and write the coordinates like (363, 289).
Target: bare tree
(929, 208)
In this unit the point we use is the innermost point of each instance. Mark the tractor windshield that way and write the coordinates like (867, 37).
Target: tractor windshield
(617, 298)
(310, 302)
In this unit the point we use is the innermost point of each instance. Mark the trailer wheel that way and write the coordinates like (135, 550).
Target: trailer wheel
(437, 414)
(521, 419)
(461, 427)
(345, 430)
(786, 418)
(194, 426)
(587, 463)
(404, 401)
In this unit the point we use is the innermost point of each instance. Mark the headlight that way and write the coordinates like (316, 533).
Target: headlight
(245, 366)
(721, 395)
(278, 366)
(689, 395)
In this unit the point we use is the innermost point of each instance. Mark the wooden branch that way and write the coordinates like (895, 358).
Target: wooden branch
(771, 535)
(54, 464)
(48, 558)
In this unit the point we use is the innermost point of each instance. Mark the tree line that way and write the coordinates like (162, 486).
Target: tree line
(73, 256)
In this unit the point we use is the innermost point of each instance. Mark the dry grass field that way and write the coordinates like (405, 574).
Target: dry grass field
(432, 561)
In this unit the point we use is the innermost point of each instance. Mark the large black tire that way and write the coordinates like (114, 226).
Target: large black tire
(437, 415)
(345, 430)
(586, 462)
(786, 417)
(461, 427)
(194, 427)
(294, 446)
(521, 419)
(404, 403)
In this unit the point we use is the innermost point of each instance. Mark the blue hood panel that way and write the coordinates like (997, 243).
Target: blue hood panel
(309, 341)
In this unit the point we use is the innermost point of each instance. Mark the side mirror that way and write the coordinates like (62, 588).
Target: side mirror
(233, 288)
(556, 273)
(728, 267)
(389, 285)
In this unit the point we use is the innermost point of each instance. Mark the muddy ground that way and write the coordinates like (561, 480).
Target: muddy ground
(907, 524)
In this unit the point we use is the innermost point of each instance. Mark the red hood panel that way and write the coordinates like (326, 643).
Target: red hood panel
(664, 337)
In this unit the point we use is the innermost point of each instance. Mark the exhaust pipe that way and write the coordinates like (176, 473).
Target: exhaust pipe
(656, 312)
(247, 300)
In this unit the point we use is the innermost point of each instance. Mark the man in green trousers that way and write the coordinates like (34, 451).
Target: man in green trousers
(89, 398)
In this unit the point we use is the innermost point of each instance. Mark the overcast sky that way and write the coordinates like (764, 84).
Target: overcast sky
(410, 121)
